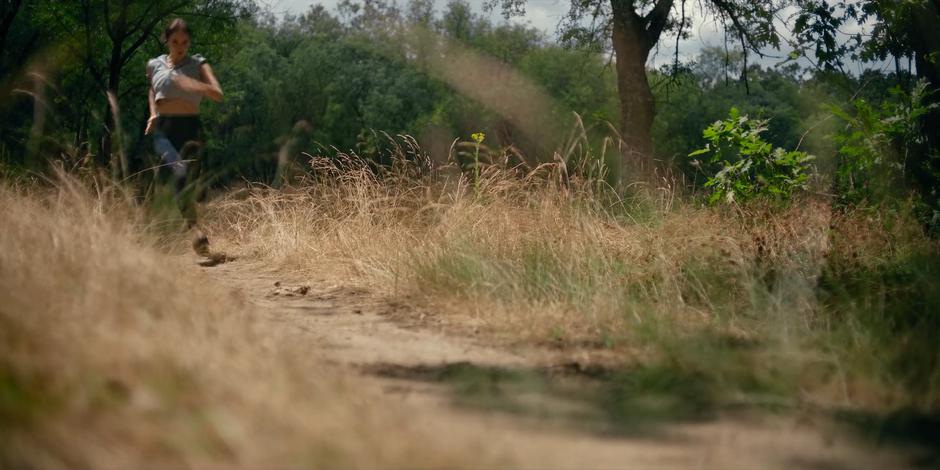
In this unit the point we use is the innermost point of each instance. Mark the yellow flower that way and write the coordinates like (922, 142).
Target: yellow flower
(478, 137)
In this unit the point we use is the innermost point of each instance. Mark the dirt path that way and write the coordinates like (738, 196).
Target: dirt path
(453, 382)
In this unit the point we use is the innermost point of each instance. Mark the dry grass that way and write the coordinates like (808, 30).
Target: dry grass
(543, 257)
(554, 259)
(115, 355)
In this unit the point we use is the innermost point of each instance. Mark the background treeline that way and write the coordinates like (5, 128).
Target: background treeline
(325, 80)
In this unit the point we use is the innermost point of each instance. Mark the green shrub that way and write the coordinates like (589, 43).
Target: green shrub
(878, 144)
(741, 166)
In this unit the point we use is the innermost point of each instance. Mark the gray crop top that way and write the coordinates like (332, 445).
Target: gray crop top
(161, 74)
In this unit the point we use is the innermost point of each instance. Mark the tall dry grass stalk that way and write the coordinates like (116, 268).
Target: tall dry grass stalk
(547, 257)
(115, 355)
(569, 249)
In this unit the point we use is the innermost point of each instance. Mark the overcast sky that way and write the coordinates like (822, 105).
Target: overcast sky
(542, 14)
(546, 14)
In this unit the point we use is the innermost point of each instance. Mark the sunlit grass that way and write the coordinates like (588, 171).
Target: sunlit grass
(114, 353)
(741, 295)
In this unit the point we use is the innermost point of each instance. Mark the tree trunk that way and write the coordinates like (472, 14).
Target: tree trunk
(114, 83)
(927, 48)
(7, 14)
(636, 98)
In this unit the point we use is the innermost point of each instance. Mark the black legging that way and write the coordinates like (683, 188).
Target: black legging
(178, 141)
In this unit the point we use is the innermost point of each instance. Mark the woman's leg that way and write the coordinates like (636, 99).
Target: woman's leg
(170, 156)
(176, 141)
(190, 152)
(192, 193)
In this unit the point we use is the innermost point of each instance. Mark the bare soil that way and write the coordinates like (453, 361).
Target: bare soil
(451, 380)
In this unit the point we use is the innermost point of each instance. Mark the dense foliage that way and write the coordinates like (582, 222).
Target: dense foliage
(877, 147)
(742, 166)
(328, 80)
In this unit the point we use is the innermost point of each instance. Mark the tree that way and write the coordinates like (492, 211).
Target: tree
(900, 29)
(108, 35)
(634, 28)
(18, 39)
(8, 12)
(774, 94)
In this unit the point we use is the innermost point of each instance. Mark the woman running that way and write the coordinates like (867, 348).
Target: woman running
(178, 82)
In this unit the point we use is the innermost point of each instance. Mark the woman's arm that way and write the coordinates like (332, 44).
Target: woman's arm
(151, 99)
(214, 91)
(152, 103)
(206, 85)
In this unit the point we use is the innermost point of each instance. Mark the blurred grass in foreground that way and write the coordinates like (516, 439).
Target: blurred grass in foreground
(116, 354)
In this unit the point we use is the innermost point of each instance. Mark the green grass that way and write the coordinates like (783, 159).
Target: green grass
(885, 319)
(874, 323)
(22, 398)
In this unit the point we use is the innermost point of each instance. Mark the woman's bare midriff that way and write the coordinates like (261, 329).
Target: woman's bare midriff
(170, 107)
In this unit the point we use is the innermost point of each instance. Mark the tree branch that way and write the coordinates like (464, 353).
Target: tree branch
(675, 65)
(728, 10)
(27, 48)
(146, 29)
(656, 21)
(86, 53)
(145, 33)
(172, 8)
(143, 16)
(747, 84)
(107, 18)
(7, 21)
(89, 62)
(131, 90)
(121, 31)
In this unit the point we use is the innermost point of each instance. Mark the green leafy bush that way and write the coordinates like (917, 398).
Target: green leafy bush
(879, 145)
(741, 166)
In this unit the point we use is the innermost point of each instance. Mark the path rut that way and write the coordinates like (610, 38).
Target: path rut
(398, 362)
